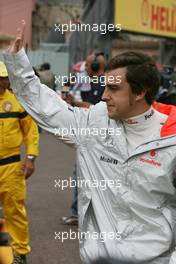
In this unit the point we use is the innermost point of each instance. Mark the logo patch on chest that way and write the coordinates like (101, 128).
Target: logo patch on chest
(151, 161)
(108, 160)
(151, 158)
(7, 106)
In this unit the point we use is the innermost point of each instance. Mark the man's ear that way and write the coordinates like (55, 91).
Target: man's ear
(140, 96)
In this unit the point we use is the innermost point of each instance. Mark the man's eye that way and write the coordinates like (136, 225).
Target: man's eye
(113, 87)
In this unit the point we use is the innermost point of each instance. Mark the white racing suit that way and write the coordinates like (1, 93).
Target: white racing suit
(136, 212)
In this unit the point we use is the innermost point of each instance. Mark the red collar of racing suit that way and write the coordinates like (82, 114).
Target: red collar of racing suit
(169, 127)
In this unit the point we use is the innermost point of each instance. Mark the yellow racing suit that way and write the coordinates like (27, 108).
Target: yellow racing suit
(16, 127)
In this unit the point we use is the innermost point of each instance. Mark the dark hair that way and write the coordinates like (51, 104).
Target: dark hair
(45, 66)
(142, 73)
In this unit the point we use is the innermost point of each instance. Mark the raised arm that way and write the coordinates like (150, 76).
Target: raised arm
(43, 104)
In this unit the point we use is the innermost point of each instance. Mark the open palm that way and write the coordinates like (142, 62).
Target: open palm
(17, 44)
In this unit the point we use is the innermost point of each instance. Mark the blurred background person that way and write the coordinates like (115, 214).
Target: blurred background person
(46, 75)
(16, 127)
(82, 84)
(167, 91)
(94, 69)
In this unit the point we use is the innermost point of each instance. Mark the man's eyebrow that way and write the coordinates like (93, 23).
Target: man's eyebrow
(113, 86)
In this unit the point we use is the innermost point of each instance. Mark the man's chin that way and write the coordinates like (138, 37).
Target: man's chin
(111, 115)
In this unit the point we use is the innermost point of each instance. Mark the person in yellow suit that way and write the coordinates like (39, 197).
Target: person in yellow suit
(16, 127)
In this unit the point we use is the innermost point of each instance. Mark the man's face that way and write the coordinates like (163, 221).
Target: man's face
(121, 102)
(4, 84)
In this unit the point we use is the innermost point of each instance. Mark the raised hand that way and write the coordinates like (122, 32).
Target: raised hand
(17, 44)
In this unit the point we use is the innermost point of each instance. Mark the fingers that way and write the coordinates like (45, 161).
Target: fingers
(20, 36)
(28, 173)
(21, 30)
(17, 44)
(28, 168)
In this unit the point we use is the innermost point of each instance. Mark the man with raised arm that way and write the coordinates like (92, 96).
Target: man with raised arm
(127, 157)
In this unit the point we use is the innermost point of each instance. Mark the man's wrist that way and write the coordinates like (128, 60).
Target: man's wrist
(31, 157)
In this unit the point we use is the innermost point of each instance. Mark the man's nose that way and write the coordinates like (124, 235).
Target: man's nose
(105, 95)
